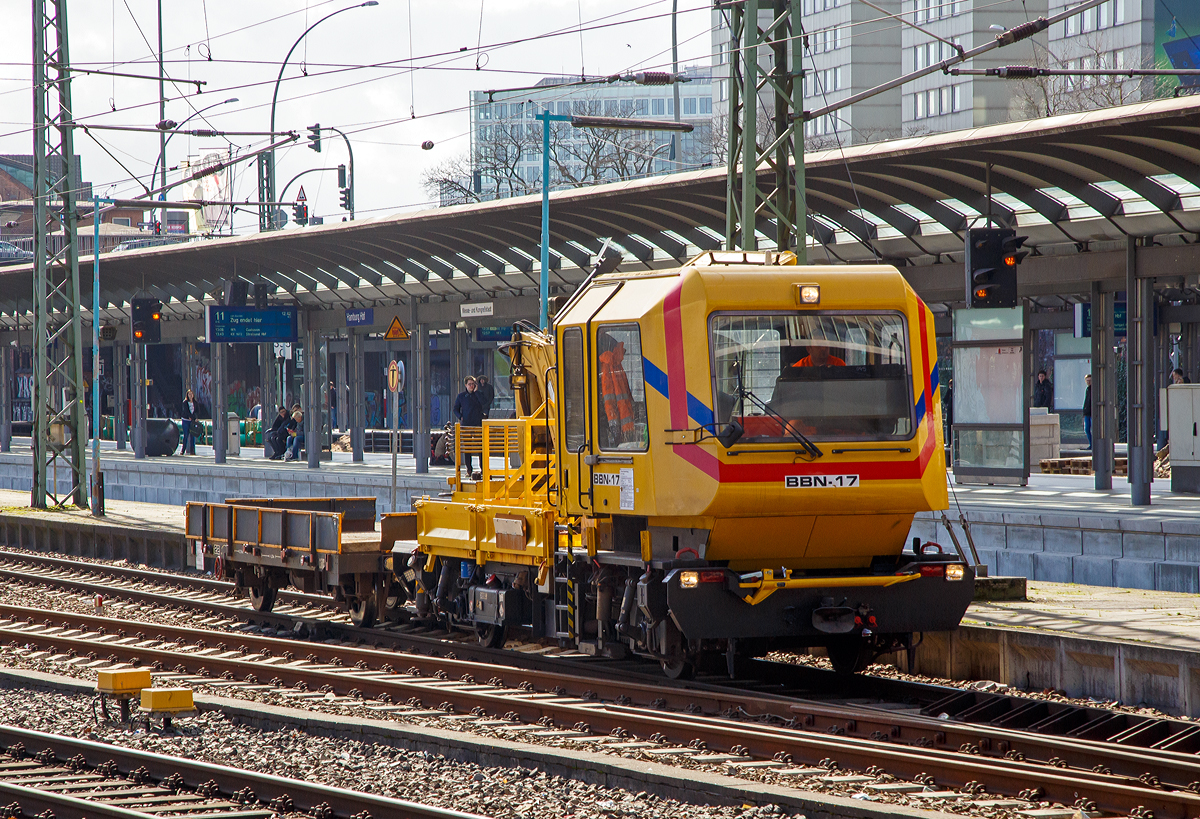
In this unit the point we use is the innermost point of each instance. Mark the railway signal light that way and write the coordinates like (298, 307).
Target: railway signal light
(992, 257)
(347, 198)
(146, 320)
(314, 137)
(157, 228)
(342, 176)
(300, 213)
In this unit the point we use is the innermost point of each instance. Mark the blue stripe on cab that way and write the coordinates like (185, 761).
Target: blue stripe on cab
(656, 379)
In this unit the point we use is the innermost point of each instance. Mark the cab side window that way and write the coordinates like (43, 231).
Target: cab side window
(574, 411)
(622, 411)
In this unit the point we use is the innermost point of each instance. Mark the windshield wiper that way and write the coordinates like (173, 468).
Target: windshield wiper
(743, 393)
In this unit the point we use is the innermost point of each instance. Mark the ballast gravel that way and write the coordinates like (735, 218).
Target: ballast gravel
(506, 793)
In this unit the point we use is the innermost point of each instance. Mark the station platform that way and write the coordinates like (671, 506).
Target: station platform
(178, 479)
(1133, 646)
(1060, 528)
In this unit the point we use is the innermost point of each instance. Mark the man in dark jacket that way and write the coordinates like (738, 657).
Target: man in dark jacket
(277, 434)
(1087, 409)
(487, 394)
(1043, 392)
(469, 412)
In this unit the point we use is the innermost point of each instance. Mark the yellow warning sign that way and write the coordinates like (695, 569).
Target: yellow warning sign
(396, 331)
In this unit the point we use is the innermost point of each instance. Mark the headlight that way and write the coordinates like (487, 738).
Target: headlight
(956, 571)
(689, 580)
(808, 293)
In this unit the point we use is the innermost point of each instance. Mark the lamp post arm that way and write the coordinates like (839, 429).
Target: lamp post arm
(350, 181)
(283, 65)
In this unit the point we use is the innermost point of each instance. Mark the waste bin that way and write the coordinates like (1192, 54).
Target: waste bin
(233, 444)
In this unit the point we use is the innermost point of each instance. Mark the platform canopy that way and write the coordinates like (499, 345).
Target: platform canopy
(1076, 184)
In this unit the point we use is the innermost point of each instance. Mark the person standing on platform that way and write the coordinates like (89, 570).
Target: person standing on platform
(188, 422)
(1043, 392)
(1177, 376)
(487, 394)
(469, 412)
(1087, 409)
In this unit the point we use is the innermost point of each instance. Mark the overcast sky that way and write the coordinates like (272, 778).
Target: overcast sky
(375, 106)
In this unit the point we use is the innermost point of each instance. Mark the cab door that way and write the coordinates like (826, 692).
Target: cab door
(576, 396)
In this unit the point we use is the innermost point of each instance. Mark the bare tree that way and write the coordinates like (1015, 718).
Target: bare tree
(449, 182)
(578, 156)
(1051, 95)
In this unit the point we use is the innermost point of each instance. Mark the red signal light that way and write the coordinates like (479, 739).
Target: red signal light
(1011, 261)
(981, 293)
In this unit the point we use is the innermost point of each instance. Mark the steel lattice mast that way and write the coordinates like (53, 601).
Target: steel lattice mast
(59, 422)
(776, 41)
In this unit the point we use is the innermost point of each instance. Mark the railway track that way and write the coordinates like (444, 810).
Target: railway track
(1157, 754)
(884, 750)
(73, 779)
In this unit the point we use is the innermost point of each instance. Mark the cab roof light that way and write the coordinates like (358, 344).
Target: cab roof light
(808, 294)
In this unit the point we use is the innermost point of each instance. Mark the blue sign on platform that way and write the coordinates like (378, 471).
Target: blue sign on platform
(493, 334)
(252, 325)
(362, 317)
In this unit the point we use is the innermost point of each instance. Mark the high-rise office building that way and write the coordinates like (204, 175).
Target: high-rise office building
(506, 139)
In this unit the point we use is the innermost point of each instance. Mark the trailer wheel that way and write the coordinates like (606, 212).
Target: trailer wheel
(678, 669)
(362, 611)
(850, 655)
(490, 635)
(262, 596)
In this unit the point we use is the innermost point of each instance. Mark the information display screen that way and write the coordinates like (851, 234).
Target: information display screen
(252, 325)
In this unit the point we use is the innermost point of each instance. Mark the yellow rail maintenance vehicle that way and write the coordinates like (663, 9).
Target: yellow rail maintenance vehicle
(706, 463)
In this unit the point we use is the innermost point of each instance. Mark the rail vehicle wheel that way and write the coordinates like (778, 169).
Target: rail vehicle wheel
(262, 596)
(678, 669)
(490, 635)
(851, 655)
(362, 611)
(394, 610)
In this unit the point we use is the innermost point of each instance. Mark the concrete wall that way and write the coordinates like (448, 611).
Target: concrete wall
(178, 480)
(1132, 673)
(1097, 551)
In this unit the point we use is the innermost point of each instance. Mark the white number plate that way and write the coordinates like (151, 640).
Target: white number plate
(820, 481)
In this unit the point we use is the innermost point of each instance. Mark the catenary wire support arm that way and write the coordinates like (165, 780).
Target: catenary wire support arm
(1006, 38)
(196, 83)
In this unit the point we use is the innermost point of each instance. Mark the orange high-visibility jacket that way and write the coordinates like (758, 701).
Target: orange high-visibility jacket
(614, 385)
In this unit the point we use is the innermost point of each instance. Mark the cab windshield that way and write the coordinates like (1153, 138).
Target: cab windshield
(827, 376)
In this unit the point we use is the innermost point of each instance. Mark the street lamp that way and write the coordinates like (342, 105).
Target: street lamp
(266, 175)
(615, 123)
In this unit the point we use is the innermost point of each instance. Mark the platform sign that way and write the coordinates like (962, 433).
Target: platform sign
(394, 377)
(252, 325)
(361, 317)
(496, 334)
(475, 309)
(396, 331)
(1083, 319)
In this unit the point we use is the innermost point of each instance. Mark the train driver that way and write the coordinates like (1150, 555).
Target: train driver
(819, 356)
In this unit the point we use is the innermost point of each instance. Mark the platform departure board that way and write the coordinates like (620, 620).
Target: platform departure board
(252, 325)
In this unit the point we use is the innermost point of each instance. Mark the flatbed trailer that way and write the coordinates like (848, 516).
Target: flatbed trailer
(319, 545)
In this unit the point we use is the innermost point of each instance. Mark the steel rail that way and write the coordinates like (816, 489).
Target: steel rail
(316, 627)
(1175, 769)
(585, 679)
(266, 787)
(1006, 776)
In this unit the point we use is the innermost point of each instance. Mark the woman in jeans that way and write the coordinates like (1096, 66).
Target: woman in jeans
(188, 419)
